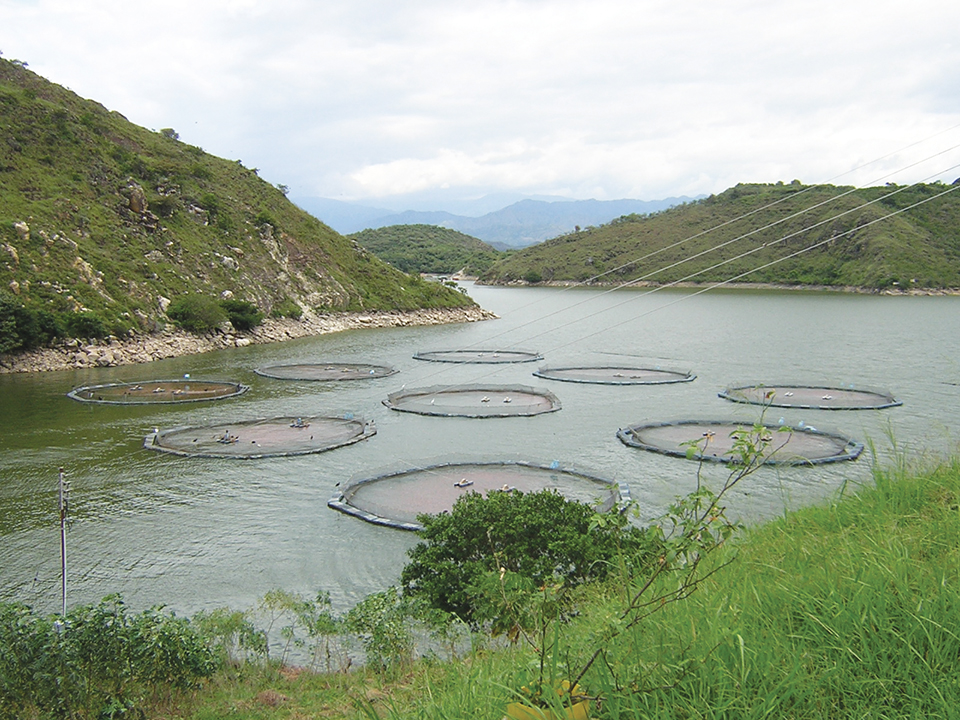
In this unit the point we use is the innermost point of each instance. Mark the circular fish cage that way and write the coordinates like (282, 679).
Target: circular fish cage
(713, 441)
(266, 437)
(614, 375)
(809, 397)
(396, 498)
(474, 401)
(486, 357)
(152, 392)
(326, 371)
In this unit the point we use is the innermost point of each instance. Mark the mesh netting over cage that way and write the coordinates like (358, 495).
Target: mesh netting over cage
(474, 401)
(811, 397)
(491, 357)
(396, 497)
(714, 441)
(151, 392)
(326, 371)
(268, 437)
(614, 375)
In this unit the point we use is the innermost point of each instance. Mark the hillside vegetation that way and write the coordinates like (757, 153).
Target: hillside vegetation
(100, 216)
(768, 233)
(428, 249)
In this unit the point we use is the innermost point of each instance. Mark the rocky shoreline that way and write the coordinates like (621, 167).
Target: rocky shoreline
(172, 342)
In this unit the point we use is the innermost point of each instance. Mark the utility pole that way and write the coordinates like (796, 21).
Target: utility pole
(64, 489)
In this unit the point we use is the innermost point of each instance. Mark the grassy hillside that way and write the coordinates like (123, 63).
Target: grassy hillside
(752, 226)
(428, 249)
(100, 215)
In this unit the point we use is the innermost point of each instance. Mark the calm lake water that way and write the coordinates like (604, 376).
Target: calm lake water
(198, 533)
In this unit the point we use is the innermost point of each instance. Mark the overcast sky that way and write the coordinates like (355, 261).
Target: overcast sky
(377, 100)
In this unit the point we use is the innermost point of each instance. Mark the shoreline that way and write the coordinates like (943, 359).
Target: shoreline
(172, 342)
(648, 285)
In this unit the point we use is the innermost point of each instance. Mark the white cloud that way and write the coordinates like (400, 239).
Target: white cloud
(609, 98)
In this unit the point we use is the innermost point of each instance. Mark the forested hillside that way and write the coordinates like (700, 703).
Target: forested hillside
(787, 234)
(428, 249)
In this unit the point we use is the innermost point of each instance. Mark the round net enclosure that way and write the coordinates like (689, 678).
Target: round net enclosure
(811, 397)
(268, 437)
(614, 375)
(474, 401)
(489, 357)
(714, 441)
(395, 498)
(326, 371)
(151, 392)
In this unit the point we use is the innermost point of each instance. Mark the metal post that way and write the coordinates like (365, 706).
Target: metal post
(64, 488)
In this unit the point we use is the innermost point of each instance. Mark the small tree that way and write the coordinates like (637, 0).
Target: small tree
(243, 315)
(196, 313)
(540, 536)
(85, 325)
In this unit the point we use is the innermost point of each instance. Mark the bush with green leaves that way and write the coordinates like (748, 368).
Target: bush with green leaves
(85, 325)
(197, 313)
(298, 617)
(286, 308)
(97, 661)
(541, 536)
(9, 337)
(243, 314)
(24, 328)
(381, 622)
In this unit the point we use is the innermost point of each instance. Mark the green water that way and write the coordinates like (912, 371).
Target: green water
(200, 533)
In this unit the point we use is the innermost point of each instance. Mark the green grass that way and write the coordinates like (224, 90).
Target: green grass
(846, 610)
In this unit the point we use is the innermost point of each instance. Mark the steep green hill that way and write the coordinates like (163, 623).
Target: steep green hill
(740, 232)
(428, 249)
(100, 215)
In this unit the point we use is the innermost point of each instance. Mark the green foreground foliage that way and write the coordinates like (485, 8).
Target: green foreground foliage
(98, 661)
(541, 537)
(847, 610)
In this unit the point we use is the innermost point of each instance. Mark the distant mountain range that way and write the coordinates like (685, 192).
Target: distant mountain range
(520, 224)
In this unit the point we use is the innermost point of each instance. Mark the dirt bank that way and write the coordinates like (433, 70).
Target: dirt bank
(174, 343)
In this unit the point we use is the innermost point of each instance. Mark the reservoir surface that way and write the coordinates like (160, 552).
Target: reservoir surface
(198, 533)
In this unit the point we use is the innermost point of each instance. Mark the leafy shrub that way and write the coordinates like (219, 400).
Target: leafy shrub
(22, 327)
(303, 616)
(196, 313)
(243, 315)
(96, 661)
(231, 635)
(532, 277)
(9, 337)
(539, 536)
(163, 205)
(286, 308)
(38, 328)
(85, 325)
(264, 218)
(380, 621)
